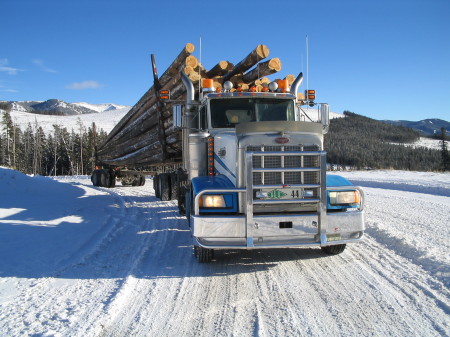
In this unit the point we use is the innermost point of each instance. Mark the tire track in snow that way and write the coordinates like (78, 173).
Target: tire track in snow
(143, 280)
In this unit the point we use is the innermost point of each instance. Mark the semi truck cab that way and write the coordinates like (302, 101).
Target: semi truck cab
(257, 173)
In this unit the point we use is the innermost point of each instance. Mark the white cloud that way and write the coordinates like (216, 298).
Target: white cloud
(42, 66)
(9, 70)
(5, 89)
(84, 85)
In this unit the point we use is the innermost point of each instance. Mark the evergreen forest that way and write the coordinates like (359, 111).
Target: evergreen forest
(360, 142)
(62, 152)
(353, 142)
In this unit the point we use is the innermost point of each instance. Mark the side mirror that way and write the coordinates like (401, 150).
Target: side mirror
(176, 115)
(325, 116)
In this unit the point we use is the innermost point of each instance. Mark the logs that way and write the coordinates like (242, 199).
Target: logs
(263, 69)
(136, 140)
(258, 54)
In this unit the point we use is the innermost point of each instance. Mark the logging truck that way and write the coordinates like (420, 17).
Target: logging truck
(247, 166)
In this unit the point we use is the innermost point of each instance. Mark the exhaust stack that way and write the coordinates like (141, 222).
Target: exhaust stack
(298, 81)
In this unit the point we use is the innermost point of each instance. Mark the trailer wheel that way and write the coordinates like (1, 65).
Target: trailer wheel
(174, 187)
(104, 178)
(182, 200)
(156, 186)
(333, 250)
(164, 183)
(95, 178)
(203, 255)
(142, 178)
(112, 179)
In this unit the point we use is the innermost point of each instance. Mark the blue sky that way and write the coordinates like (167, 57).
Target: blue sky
(385, 59)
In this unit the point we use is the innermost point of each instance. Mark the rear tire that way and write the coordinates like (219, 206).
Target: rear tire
(104, 178)
(333, 250)
(174, 186)
(112, 180)
(95, 178)
(142, 182)
(156, 186)
(203, 255)
(164, 181)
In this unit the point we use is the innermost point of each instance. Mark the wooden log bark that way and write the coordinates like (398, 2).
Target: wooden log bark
(219, 69)
(179, 61)
(172, 70)
(262, 69)
(258, 54)
(146, 120)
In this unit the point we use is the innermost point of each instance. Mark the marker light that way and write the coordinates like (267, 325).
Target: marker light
(164, 94)
(210, 156)
(208, 85)
(311, 95)
(283, 85)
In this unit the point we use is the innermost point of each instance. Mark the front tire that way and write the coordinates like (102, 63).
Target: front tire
(333, 250)
(203, 255)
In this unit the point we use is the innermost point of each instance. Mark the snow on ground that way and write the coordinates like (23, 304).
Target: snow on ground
(428, 143)
(105, 120)
(78, 260)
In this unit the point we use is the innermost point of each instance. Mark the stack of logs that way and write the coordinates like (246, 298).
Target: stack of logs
(136, 140)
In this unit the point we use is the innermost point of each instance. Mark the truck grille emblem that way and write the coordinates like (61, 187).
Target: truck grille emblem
(282, 140)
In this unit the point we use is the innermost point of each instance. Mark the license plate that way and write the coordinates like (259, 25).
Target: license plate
(285, 193)
(333, 237)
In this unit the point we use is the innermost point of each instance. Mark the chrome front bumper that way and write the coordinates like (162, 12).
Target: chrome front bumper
(268, 231)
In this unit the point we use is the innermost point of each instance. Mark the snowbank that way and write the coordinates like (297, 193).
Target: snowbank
(44, 224)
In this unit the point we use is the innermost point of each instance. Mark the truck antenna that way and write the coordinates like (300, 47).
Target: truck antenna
(199, 68)
(307, 64)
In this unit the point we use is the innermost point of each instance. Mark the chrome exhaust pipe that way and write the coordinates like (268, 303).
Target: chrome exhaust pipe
(190, 91)
(298, 81)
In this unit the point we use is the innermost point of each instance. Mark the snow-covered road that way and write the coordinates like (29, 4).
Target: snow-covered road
(76, 260)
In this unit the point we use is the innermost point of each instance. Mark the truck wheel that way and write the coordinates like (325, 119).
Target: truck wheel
(112, 180)
(174, 186)
(333, 250)
(156, 186)
(203, 255)
(95, 178)
(104, 178)
(182, 200)
(164, 183)
(142, 182)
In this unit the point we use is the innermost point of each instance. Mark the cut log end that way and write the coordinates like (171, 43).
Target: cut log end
(262, 51)
(275, 64)
(191, 61)
(189, 48)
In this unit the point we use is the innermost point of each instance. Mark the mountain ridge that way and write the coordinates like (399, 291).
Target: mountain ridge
(427, 127)
(57, 107)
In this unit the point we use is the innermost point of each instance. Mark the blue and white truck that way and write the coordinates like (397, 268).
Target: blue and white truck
(252, 171)
(256, 174)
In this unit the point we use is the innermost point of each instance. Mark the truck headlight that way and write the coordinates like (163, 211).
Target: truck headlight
(344, 197)
(212, 201)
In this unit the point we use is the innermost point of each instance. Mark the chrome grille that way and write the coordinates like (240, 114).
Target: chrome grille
(284, 163)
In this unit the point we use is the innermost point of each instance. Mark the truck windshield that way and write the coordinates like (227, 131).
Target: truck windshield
(226, 113)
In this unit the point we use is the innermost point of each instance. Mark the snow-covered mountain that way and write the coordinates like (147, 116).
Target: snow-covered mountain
(61, 108)
(426, 126)
(48, 113)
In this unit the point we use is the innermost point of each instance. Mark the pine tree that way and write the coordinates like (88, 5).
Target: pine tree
(444, 152)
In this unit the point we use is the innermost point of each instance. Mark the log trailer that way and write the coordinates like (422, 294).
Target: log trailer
(252, 172)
